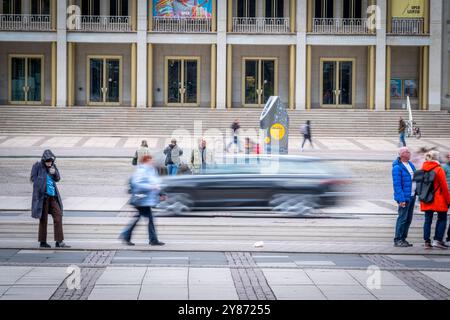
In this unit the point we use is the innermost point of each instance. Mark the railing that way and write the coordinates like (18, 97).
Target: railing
(340, 26)
(182, 24)
(411, 26)
(261, 25)
(25, 22)
(102, 23)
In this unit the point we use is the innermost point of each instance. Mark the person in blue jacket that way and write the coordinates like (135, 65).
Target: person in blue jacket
(145, 192)
(404, 194)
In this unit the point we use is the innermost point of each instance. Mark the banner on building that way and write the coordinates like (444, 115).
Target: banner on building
(408, 8)
(182, 8)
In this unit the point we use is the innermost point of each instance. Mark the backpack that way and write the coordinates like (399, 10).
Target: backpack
(425, 185)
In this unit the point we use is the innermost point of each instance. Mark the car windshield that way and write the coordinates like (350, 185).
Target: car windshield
(266, 166)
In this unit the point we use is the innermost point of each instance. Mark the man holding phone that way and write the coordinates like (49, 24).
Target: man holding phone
(46, 199)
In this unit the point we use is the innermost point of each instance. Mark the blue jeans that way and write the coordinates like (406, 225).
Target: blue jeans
(143, 212)
(441, 225)
(172, 169)
(402, 139)
(404, 219)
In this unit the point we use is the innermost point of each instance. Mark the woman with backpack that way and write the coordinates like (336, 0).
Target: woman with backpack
(439, 203)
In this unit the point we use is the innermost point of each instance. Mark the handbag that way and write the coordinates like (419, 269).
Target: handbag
(134, 161)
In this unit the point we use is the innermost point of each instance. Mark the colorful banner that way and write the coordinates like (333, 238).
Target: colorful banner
(182, 8)
(408, 8)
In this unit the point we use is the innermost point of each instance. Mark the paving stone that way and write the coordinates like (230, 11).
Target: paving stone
(29, 293)
(304, 292)
(122, 276)
(442, 278)
(164, 293)
(115, 292)
(292, 277)
(330, 277)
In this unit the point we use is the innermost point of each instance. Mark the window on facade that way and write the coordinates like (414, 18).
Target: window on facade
(40, 7)
(274, 8)
(246, 8)
(118, 7)
(90, 7)
(324, 8)
(12, 6)
(352, 9)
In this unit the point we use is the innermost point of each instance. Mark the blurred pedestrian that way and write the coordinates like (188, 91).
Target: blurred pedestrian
(173, 157)
(306, 131)
(141, 152)
(47, 199)
(446, 167)
(439, 203)
(404, 193)
(145, 194)
(235, 126)
(201, 157)
(401, 131)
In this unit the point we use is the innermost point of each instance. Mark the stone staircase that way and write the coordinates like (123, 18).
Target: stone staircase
(121, 121)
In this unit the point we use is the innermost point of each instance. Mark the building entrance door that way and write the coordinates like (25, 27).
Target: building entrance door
(182, 81)
(104, 80)
(26, 79)
(337, 83)
(259, 80)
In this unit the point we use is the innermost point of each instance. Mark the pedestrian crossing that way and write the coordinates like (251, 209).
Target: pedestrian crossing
(320, 144)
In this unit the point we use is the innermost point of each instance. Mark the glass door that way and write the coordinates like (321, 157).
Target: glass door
(259, 81)
(246, 8)
(26, 79)
(104, 80)
(182, 81)
(337, 83)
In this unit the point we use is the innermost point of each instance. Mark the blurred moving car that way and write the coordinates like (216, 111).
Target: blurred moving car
(286, 184)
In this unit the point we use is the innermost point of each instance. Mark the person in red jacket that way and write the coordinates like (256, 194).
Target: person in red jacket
(440, 203)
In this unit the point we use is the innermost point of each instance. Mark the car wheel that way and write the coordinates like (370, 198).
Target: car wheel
(294, 204)
(177, 203)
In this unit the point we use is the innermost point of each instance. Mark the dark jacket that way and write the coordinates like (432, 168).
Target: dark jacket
(39, 179)
(402, 181)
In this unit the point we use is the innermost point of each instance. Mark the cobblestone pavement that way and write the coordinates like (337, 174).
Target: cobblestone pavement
(131, 275)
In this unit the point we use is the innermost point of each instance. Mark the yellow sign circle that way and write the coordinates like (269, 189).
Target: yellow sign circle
(277, 131)
(267, 140)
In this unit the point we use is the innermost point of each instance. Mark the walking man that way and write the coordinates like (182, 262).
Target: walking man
(46, 199)
(235, 126)
(145, 195)
(401, 131)
(306, 131)
(404, 193)
(173, 157)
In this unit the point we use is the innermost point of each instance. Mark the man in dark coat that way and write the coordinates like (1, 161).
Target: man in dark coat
(46, 198)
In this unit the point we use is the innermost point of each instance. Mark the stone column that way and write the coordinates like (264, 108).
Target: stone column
(300, 66)
(338, 7)
(141, 85)
(61, 53)
(221, 62)
(26, 7)
(213, 75)
(435, 55)
(380, 82)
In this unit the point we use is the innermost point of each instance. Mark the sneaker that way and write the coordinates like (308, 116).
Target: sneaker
(401, 244)
(440, 244)
(157, 243)
(409, 244)
(127, 242)
(428, 245)
(61, 245)
(44, 245)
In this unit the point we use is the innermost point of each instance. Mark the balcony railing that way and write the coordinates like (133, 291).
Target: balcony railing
(182, 24)
(25, 22)
(340, 26)
(411, 26)
(261, 25)
(102, 24)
